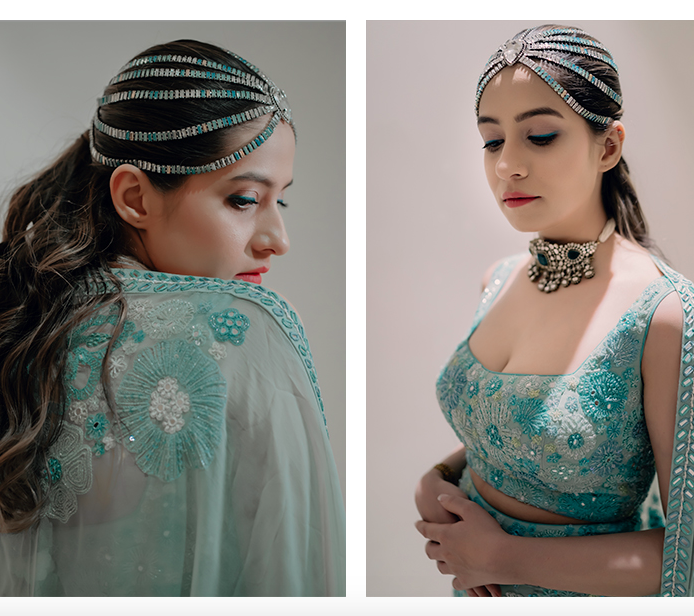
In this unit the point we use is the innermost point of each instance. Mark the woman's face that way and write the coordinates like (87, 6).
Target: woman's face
(228, 223)
(541, 159)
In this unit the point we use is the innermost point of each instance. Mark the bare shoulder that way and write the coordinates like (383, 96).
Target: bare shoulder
(662, 350)
(660, 368)
(667, 318)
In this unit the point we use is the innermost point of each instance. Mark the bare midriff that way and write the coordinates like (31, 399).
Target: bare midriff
(521, 511)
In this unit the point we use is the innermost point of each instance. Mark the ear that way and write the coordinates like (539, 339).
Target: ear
(614, 141)
(135, 199)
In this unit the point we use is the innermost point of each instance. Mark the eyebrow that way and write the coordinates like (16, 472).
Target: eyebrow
(522, 116)
(260, 179)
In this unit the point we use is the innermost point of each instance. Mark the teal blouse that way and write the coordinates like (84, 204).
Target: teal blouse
(577, 444)
(210, 471)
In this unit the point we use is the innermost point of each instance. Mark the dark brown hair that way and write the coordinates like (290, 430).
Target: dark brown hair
(618, 193)
(61, 231)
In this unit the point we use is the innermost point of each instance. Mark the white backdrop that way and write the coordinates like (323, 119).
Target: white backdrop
(52, 72)
(433, 227)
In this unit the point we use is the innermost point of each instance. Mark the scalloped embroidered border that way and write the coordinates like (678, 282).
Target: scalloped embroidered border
(136, 280)
(676, 572)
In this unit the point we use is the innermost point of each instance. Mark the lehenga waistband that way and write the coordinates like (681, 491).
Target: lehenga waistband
(522, 528)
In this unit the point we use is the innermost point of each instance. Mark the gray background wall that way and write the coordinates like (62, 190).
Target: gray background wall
(433, 228)
(52, 72)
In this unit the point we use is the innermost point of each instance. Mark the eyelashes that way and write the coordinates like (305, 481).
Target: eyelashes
(540, 140)
(543, 139)
(241, 202)
(493, 145)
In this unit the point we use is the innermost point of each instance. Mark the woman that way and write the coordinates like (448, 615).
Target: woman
(162, 429)
(564, 415)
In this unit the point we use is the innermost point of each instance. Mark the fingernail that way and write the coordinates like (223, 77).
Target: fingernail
(442, 496)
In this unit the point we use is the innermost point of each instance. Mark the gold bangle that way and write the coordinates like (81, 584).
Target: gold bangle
(447, 472)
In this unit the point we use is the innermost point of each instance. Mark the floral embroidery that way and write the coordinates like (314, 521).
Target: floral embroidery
(623, 348)
(78, 412)
(229, 326)
(531, 415)
(109, 442)
(129, 347)
(138, 308)
(168, 318)
(204, 307)
(185, 382)
(168, 404)
(116, 365)
(55, 470)
(83, 352)
(606, 458)
(450, 387)
(493, 386)
(575, 436)
(96, 426)
(70, 468)
(602, 394)
(584, 432)
(218, 351)
(196, 335)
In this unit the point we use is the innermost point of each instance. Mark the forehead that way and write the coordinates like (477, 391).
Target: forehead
(273, 161)
(515, 89)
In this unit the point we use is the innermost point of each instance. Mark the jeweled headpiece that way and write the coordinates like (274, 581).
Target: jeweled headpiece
(552, 46)
(256, 88)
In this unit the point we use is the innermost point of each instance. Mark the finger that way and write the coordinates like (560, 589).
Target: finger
(494, 590)
(433, 550)
(430, 530)
(443, 567)
(457, 505)
(482, 591)
(471, 592)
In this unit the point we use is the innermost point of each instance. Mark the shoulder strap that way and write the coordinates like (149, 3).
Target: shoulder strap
(496, 282)
(677, 579)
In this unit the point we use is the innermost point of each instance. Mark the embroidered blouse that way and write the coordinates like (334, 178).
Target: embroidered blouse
(214, 476)
(577, 444)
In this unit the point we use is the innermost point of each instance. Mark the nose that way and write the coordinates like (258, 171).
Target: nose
(511, 163)
(271, 236)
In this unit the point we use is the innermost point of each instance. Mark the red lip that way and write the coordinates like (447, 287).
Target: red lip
(253, 275)
(516, 199)
(260, 270)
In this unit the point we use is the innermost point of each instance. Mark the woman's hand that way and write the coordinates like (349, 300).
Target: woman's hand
(468, 549)
(429, 488)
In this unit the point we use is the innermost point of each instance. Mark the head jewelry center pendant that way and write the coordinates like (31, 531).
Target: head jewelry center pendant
(512, 50)
(560, 264)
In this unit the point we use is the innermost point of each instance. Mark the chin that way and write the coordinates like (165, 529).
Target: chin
(524, 224)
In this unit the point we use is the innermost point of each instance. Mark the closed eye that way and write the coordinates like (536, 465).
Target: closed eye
(493, 145)
(543, 139)
(240, 202)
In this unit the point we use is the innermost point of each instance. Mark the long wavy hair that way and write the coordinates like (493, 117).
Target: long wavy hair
(619, 197)
(61, 234)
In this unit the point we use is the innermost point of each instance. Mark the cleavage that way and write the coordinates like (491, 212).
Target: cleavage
(529, 332)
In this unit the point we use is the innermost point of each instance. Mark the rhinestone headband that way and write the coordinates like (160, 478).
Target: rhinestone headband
(531, 45)
(272, 101)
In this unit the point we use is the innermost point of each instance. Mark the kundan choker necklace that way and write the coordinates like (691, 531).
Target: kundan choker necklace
(563, 264)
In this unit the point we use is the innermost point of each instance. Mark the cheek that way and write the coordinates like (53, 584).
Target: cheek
(490, 170)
